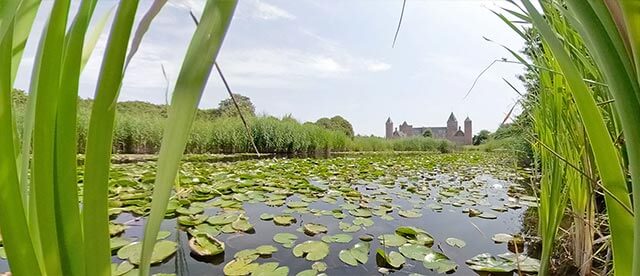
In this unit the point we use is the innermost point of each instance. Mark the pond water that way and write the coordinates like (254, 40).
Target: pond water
(433, 192)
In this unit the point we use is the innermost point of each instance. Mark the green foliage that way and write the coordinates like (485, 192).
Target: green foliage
(427, 133)
(226, 108)
(336, 123)
(481, 137)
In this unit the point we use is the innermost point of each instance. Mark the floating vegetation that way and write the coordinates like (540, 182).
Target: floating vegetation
(327, 212)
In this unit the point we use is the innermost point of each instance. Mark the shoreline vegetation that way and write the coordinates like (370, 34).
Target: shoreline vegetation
(139, 125)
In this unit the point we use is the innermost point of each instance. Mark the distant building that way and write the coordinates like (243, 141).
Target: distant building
(451, 132)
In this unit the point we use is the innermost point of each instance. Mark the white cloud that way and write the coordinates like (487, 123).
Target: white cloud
(378, 66)
(266, 11)
(326, 64)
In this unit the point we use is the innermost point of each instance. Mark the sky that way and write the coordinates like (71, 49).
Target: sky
(314, 59)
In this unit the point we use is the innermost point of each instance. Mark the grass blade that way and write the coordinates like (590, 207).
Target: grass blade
(17, 240)
(196, 68)
(98, 153)
(25, 16)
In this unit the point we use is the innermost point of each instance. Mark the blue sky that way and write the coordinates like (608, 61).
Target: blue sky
(315, 59)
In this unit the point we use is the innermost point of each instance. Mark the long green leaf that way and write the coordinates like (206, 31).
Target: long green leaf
(604, 151)
(197, 66)
(94, 35)
(69, 226)
(17, 240)
(43, 172)
(98, 153)
(25, 16)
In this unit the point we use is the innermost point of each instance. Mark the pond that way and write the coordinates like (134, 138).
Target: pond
(425, 213)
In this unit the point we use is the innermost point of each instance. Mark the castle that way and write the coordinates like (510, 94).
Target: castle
(451, 132)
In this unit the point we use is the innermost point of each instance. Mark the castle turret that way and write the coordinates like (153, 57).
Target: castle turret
(452, 126)
(468, 132)
(389, 129)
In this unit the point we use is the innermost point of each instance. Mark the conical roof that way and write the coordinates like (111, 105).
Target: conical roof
(467, 119)
(389, 120)
(452, 118)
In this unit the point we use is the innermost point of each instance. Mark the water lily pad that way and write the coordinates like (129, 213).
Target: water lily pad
(312, 229)
(297, 204)
(435, 207)
(205, 245)
(438, 262)
(349, 228)
(193, 210)
(284, 220)
(319, 266)
(162, 250)
(410, 213)
(359, 253)
(365, 222)
(360, 212)
(163, 235)
(240, 267)
(522, 262)
(266, 216)
(487, 215)
(454, 242)
(487, 263)
(392, 259)
(308, 272)
(116, 228)
(222, 219)
(414, 251)
(391, 240)
(501, 238)
(119, 242)
(191, 220)
(242, 224)
(339, 238)
(366, 237)
(286, 239)
(266, 250)
(270, 269)
(311, 250)
(205, 229)
(121, 268)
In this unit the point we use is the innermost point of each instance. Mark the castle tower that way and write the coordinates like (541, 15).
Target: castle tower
(389, 129)
(468, 132)
(452, 126)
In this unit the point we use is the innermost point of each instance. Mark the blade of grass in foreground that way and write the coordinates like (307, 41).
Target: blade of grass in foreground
(197, 66)
(604, 151)
(98, 154)
(69, 226)
(17, 241)
(43, 174)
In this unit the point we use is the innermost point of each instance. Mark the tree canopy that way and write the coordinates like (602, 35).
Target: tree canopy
(337, 123)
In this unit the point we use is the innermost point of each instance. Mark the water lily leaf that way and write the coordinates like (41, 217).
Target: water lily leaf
(163, 235)
(284, 220)
(286, 239)
(435, 206)
(266, 216)
(242, 225)
(121, 269)
(391, 240)
(360, 212)
(522, 262)
(270, 269)
(487, 263)
(205, 229)
(319, 266)
(359, 253)
(347, 227)
(454, 242)
(205, 245)
(308, 272)
(192, 220)
(240, 267)
(247, 254)
(365, 222)
(162, 250)
(311, 250)
(119, 242)
(487, 215)
(266, 250)
(438, 262)
(501, 238)
(392, 259)
(410, 213)
(366, 237)
(312, 229)
(297, 204)
(339, 238)
(193, 210)
(414, 251)
(116, 228)
(222, 219)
